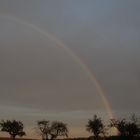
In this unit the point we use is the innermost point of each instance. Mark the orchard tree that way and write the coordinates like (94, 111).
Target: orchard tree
(127, 128)
(58, 129)
(120, 125)
(95, 126)
(133, 126)
(14, 128)
(44, 129)
(50, 131)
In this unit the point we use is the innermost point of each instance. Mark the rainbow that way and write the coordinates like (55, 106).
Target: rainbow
(76, 58)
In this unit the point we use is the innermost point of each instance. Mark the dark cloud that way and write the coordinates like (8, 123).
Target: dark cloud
(40, 79)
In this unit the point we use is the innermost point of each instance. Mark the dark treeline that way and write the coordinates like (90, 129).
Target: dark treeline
(126, 129)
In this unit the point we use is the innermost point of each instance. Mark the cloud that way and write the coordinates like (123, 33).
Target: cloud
(40, 79)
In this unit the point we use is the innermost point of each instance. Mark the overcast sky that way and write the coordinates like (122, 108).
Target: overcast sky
(39, 79)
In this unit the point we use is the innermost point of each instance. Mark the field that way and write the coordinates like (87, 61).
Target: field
(108, 138)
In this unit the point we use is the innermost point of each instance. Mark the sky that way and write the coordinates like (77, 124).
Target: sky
(41, 77)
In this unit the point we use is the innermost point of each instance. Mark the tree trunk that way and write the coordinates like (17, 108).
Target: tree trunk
(96, 137)
(13, 137)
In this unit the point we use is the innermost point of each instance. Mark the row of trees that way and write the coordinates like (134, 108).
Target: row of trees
(48, 131)
(126, 129)
(51, 130)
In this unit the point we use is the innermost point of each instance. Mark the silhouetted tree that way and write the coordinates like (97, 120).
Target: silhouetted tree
(127, 129)
(58, 129)
(53, 130)
(44, 129)
(95, 126)
(14, 128)
(133, 127)
(120, 125)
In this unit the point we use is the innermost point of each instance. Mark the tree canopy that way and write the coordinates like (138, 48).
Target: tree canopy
(52, 130)
(95, 126)
(127, 128)
(14, 128)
